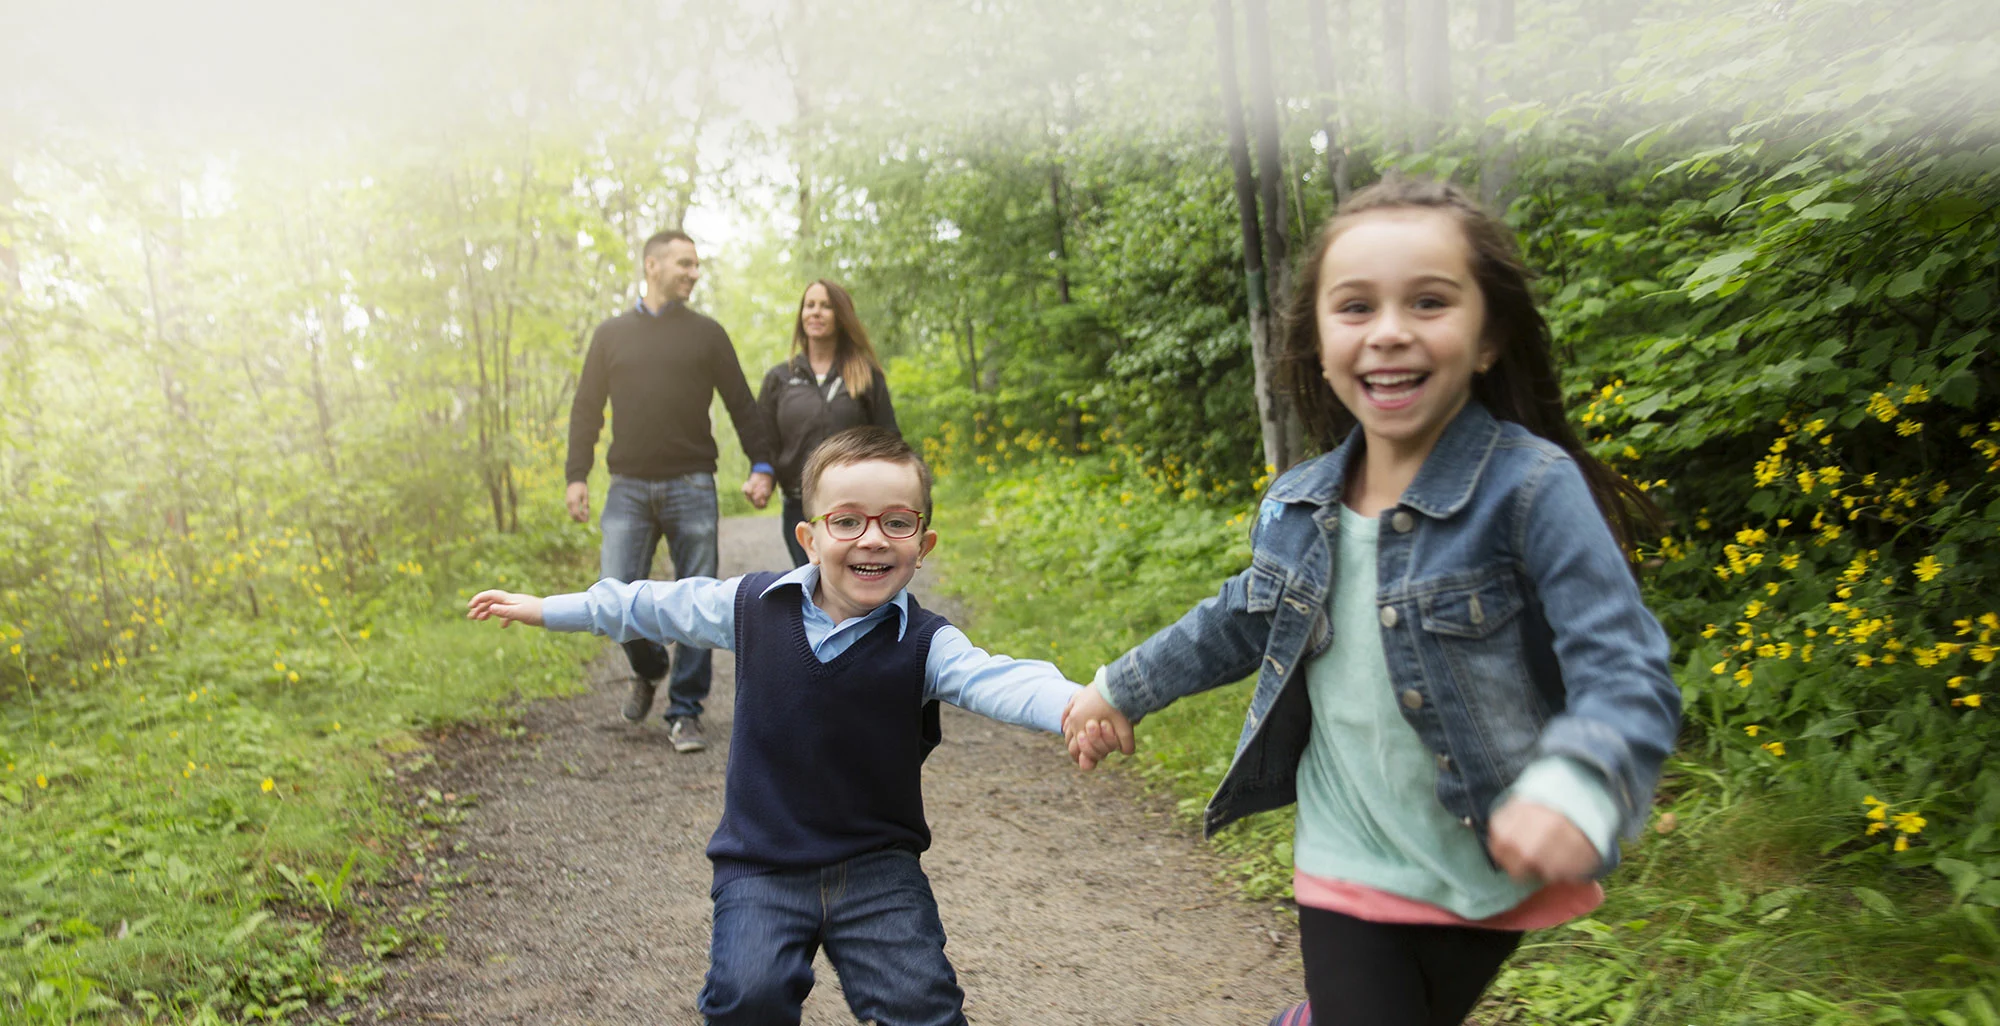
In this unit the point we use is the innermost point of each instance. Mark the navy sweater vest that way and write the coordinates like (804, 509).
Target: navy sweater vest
(825, 759)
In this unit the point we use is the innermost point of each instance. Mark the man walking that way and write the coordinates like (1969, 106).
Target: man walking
(659, 363)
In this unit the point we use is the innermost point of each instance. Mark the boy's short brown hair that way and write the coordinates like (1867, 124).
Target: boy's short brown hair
(862, 445)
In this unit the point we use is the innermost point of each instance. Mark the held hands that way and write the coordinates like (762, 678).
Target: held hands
(758, 489)
(509, 607)
(577, 498)
(1094, 728)
(1535, 842)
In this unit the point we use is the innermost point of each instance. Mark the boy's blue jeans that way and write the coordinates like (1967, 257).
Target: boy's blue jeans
(878, 920)
(637, 514)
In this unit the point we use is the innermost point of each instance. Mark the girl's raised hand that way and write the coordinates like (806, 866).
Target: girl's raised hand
(508, 606)
(1534, 842)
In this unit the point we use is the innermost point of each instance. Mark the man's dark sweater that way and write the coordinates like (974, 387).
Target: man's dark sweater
(659, 371)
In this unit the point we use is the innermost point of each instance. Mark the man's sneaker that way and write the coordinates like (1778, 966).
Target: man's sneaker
(639, 701)
(1300, 1014)
(685, 733)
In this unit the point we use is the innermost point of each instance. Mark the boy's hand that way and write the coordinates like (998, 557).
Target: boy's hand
(1535, 842)
(1094, 728)
(509, 607)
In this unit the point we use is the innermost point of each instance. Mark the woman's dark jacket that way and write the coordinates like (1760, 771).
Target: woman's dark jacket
(799, 414)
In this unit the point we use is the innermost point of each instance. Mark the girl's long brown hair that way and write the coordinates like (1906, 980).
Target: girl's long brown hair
(1521, 386)
(852, 352)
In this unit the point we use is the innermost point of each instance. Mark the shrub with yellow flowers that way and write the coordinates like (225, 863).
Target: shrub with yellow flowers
(1815, 413)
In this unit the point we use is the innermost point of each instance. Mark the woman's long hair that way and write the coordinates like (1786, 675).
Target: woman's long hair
(853, 354)
(1521, 386)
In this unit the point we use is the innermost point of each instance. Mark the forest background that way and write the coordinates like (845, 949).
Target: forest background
(291, 309)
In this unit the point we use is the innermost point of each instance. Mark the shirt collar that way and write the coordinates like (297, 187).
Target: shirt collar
(640, 305)
(1442, 487)
(806, 579)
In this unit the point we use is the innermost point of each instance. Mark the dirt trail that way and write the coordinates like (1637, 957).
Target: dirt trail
(1067, 897)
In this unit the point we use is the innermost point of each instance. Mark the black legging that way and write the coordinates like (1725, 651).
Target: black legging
(1393, 974)
(794, 515)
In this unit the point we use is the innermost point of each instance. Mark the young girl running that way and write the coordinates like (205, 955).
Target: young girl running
(1457, 681)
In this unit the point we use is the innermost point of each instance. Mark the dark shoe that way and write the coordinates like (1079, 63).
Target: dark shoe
(1300, 1014)
(639, 701)
(685, 733)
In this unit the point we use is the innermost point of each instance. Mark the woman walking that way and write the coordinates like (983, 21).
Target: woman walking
(832, 382)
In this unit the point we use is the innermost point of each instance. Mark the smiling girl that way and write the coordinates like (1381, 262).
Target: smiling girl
(1456, 680)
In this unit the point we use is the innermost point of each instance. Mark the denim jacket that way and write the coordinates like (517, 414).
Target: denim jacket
(1511, 623)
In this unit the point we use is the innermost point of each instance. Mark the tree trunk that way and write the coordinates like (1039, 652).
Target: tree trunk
(1327, 99)
(1430, 59)
(1269, 405)
(1271, 200)
(971, 356)
(1062, 244)
(10, 261)
(1496, 174)
(1395, 77)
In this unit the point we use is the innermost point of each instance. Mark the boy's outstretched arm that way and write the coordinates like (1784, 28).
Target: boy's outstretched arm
(508, 606)
(1024, 692)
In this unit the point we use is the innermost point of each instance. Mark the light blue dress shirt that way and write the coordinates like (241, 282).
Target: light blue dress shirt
(701, 611)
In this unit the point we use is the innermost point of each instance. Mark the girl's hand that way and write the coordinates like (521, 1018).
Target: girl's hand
(509, 607)
(1094, 728)
(1535, 842)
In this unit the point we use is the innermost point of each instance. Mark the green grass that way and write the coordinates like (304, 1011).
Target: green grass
(180, 837)
(1754, 906)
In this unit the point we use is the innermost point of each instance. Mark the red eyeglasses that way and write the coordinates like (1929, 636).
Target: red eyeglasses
(847, 524)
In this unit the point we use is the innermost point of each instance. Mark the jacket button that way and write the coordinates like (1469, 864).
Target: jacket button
(1413, 699)
(1402, 522)
(1388, 616)
(1444, 763)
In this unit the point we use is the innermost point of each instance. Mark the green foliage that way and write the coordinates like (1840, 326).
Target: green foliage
(185, 825)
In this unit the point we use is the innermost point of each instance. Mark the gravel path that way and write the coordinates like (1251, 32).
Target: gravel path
(1068, 897)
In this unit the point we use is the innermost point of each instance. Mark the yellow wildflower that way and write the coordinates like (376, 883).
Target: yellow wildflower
(1776, 748)
(267, 785)
(1902, 842)
(1928, 568)
(1863, 659)
(1743, 677)
(1910, 822)
(1956, 682)
(1984, 653)
(1970, 701)
(1752, 729)
(1720, 668)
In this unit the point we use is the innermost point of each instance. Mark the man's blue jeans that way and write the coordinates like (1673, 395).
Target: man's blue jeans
(878, 920)
(637, 514)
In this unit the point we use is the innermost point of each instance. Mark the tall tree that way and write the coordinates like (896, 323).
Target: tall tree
(1271, 407)
(1395, 75)
(1270, 195)
(1430, 60)
(1327, 98)
(1495, 31)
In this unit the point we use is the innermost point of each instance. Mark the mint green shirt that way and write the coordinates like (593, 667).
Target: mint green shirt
(1368, 811)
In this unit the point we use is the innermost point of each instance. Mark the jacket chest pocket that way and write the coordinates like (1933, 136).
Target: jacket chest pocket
(1269, 592)
(1473, 610)
(1472, 629)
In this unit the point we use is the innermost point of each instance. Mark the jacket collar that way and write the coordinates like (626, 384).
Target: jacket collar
(1443, 486)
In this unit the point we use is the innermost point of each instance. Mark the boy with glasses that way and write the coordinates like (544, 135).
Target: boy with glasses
(839, 672)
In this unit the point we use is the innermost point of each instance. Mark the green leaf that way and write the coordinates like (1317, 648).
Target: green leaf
(1722, 264)
(1827, 212)
(1876, 902)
